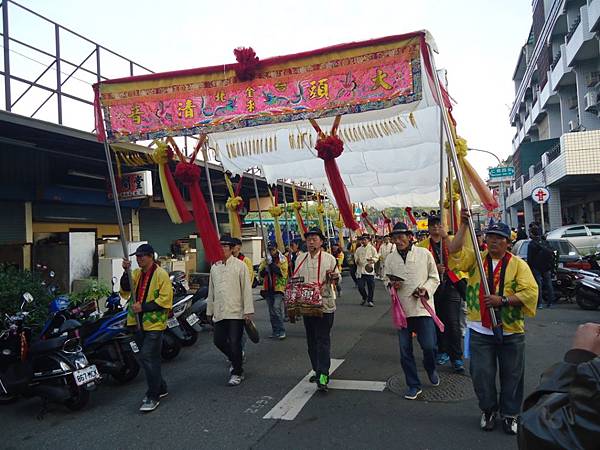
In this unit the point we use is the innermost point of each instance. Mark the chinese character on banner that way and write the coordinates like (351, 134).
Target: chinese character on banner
(319, 89)
(220, 96)
(250, 105)
(186, 110)
(125, 183)
(250, 92)
(379, 81)
(136, 115)
(138, 182)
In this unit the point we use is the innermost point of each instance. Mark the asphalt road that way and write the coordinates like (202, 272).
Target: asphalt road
(202, 412)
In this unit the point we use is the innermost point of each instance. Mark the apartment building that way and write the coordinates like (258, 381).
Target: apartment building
(556, 114)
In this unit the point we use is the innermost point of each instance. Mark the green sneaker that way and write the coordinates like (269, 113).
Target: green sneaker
(322, 382)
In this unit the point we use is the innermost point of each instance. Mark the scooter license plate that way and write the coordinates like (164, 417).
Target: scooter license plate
(86, 375)
(192, 319)
(134, 347)
(172, 322)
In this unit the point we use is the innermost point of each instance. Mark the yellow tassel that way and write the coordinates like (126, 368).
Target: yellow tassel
(413, 122)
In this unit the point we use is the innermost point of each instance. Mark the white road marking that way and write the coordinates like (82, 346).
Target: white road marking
(355, 385)
(293, 402)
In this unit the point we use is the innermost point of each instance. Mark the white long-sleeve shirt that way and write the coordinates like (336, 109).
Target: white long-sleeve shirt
(364, 255)
(419, 271)
(229, 291)
(308, 269)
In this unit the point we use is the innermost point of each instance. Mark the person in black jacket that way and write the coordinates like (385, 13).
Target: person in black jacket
(541, 261)
(564, 411)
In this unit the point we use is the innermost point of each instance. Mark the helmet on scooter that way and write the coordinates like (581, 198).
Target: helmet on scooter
(60, 303)
(113, 301)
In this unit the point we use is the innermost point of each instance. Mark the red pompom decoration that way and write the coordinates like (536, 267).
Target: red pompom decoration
(170, 153)
(364, 215)
(408, 209)
(247, 63)
(387, 221)
(329, 148)
(187, 173)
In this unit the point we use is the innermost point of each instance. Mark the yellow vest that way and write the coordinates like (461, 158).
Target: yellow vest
(518, 281)
(160, 290)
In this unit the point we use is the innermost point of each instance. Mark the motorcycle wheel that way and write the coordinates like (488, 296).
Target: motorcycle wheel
(170, 347)
(192, 335)
(80, 398)
(129, 371)
(586, 304)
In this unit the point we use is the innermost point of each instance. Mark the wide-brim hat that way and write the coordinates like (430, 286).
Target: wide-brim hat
(251, 331)
(500, 229)
(315, 232)
(227, 240)
(400, 228)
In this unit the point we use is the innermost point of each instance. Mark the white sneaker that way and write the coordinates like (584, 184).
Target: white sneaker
(235, 380)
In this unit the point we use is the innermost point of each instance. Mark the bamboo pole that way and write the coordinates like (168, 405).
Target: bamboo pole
(497, 325)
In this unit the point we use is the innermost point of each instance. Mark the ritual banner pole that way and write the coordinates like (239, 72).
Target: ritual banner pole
(210, 190)
(260, 220)
(287, 221)
(124, 242)
(496, 325)
(442, 165)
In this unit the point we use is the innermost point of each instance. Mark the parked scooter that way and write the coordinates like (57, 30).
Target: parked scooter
(588, 293)
(566, 282)
(188, 329)
(55, 369)
(106, 340)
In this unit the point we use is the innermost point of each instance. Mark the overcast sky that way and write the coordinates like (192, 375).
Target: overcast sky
(478, 41)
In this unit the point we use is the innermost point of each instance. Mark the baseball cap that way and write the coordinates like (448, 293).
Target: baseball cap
(499, 228)
(143, 250)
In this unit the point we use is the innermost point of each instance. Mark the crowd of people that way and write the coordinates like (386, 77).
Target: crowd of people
(435, 279)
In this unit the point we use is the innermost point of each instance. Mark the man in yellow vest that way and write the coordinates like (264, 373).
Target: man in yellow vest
(513, 295)
(153, 301)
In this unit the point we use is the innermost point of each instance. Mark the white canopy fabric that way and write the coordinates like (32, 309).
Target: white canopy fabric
(379, 169)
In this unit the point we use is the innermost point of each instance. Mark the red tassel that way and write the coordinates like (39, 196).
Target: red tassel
(247, 63)
(189, 174)
(328, 148)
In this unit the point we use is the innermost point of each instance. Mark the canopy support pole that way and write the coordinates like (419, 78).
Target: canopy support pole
(124, 242)
(287, 220)
(260, 220)
(451, 203)
(442, 158)
(496, 325)
(210, 190)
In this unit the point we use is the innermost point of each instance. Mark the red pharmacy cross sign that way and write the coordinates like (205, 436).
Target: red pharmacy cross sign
(540, 195)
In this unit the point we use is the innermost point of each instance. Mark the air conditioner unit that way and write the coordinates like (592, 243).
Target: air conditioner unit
(591, 101)
(573, 125)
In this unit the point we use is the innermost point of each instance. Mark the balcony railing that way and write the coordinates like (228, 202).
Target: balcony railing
(572, 28)
(554, 153)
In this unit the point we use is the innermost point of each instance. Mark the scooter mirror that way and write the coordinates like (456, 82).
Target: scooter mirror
(27, 297)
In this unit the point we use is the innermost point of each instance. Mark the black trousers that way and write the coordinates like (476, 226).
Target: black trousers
(369, 282)
(150, 344)
(228, 338)
(319, 342)
(449, 309)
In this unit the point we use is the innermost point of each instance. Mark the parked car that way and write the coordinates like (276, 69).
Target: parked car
(585, 237)
(568, 255)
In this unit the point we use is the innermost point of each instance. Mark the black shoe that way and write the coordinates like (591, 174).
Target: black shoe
(370, 304)
(510, 425)
(363, 303)
(488, 421)
(312, 379)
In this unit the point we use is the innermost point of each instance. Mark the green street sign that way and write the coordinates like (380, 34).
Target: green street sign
(502, 172)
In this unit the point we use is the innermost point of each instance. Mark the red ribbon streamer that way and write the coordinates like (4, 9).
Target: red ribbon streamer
(410, 215)
(365, 217)
(189, 174)
(184, 214)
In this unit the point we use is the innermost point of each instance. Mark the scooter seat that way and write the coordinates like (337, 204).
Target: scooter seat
(47, 345)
